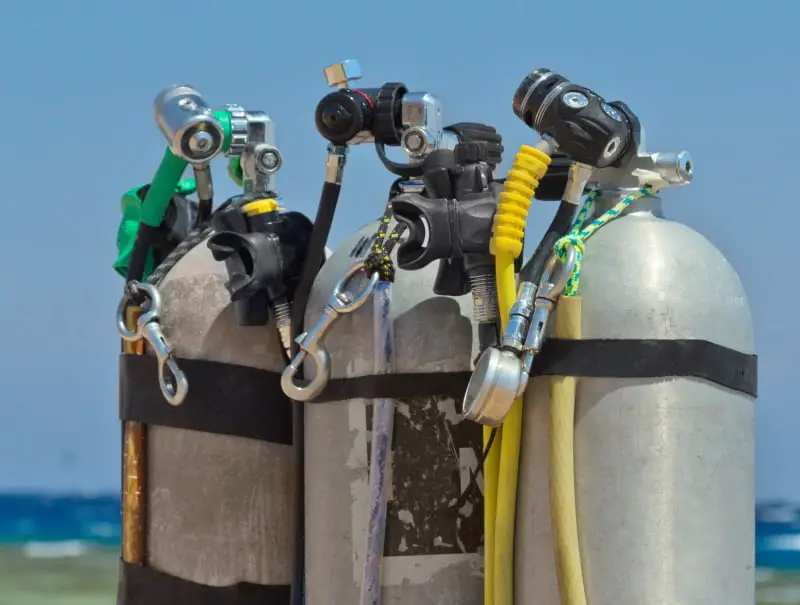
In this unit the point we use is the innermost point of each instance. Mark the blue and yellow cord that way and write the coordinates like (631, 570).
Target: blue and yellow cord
(578, 235)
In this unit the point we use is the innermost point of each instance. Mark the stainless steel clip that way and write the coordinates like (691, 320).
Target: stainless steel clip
(171, 378)
(311, 343)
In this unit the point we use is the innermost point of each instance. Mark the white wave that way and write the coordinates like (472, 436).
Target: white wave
(784, 542)
(55, 550)
(764, 575)
(103, 530)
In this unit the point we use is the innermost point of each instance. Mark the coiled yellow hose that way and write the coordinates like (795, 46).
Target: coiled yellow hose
(500, 479)
(563, 514)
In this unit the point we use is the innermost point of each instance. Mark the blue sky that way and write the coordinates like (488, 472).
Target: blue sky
(78, 80)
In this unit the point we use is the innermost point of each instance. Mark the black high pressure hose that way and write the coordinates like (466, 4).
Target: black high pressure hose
(329, 198)
(559, 227)
(551, 188)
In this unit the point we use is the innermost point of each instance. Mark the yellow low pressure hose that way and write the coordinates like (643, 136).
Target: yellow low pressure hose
(563, 514)
(500, 481)
(491, 468)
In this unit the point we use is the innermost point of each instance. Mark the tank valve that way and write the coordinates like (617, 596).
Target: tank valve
(255, 160)
(388, 116)
(501, 374)
(188, 124)
(263, 248)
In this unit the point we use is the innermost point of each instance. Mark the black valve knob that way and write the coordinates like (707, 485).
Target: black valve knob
(468, 132)
(341, 115)
(471, 152)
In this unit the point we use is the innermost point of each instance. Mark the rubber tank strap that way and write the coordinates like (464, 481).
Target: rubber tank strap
(587, 358)
(224, 398)
(142, 585)
(256, 407)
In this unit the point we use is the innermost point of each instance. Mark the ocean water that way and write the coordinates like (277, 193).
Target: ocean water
(59, 550)
(64, 550)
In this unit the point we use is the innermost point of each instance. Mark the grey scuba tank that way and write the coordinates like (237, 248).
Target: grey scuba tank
(432, 551)
(664, 467)
(220, 508)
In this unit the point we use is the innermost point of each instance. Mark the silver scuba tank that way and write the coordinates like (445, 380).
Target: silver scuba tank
(218, 468)
(215, 463)
(664, 467)
(220, 507)
(431, 550)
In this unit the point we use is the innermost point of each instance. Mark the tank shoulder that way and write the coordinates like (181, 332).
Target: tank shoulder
(199, 319)
(432, 333)
(644, 276)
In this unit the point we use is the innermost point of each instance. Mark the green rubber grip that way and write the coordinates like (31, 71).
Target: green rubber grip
(162, 189)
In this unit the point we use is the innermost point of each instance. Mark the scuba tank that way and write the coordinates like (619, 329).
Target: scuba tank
(659, 340)
(430, 549)
(208, 499)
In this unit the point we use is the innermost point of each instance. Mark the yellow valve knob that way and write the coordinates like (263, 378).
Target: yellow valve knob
(260, 207)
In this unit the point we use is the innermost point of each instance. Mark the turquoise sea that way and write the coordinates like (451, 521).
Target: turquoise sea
(63, 550)
(58, 550)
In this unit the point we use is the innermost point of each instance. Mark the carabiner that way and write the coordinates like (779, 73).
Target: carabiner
(171, 379)
(151, 307)
(550, 286)
(311, 342)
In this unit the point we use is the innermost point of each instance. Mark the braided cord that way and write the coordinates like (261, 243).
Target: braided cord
(578, 235)
(380, 257)
(181, 250)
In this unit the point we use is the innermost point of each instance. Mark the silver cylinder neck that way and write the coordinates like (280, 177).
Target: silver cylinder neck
(611, 197)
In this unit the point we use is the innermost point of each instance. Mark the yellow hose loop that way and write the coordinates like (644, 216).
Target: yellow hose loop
(508, 230)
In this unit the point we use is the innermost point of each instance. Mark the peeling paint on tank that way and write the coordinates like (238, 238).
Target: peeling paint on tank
(433, 450)
(406, 517)
(427, 570)
(358, 457)
(448, 408)
(402, 408)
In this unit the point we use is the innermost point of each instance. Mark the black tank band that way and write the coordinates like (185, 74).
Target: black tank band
(246, 402)
(223, 398)
(619, 358)
(142, 585)
(589, 358)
